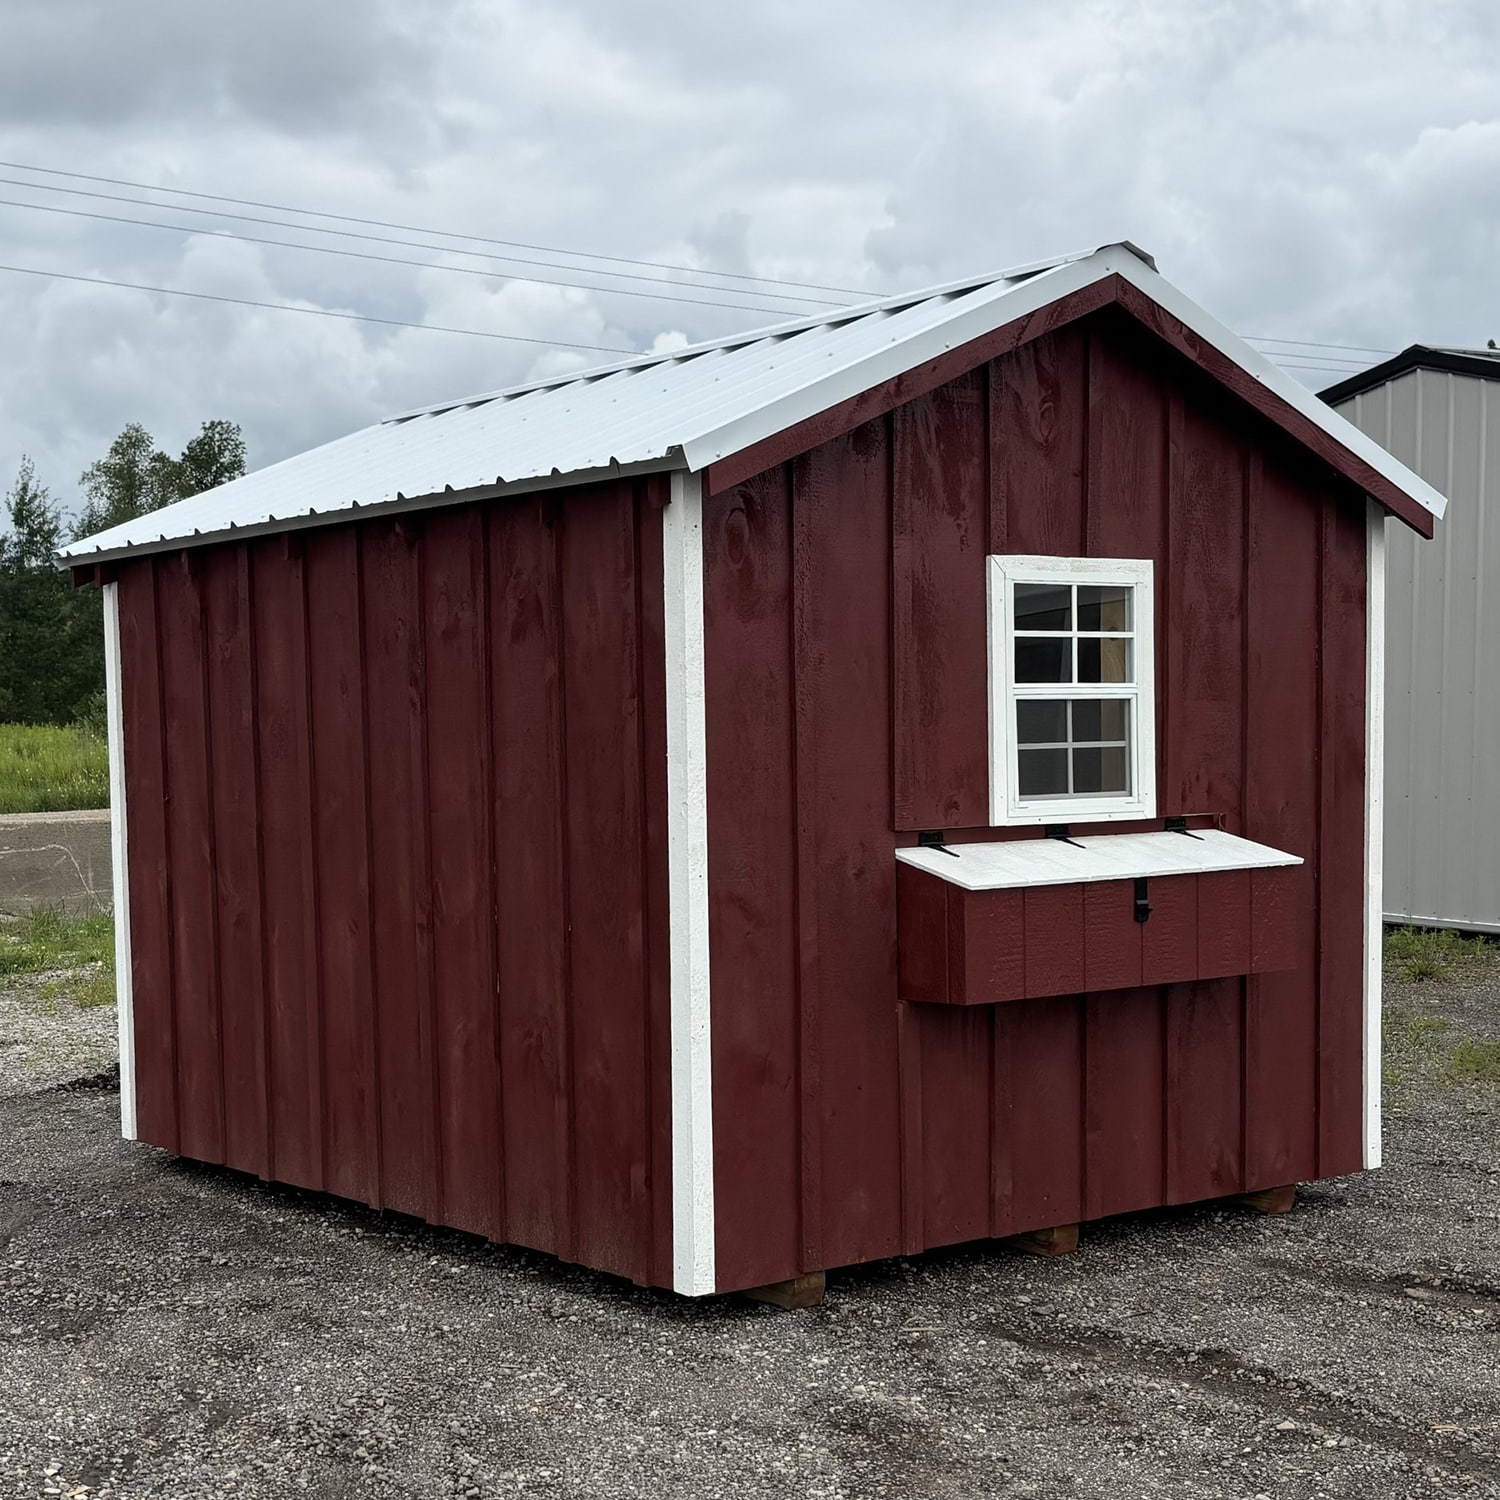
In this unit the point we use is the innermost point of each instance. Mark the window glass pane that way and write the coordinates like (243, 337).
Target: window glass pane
(1099, 719)
(1104, 606)
(1097, 770)
(1039, 659)
(1106, 660)
(1044, 606)
(1041, 722)
(1043, 773)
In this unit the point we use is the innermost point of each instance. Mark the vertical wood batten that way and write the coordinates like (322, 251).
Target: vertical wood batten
(190, 850)
(496, 924)
(1282, 755)
(604, 858)
(151, 943)
(228, 692)
(389, 626)
(528, 813)
(694, 1259)
(842, 559)
(375, 1126)
(462, 926)
(809, 1099)
(341, 869)
(939, 499)
(750, 782)
(652, 496)
(1342, 905)
(288, 954)
(1375, 618)
(119, 851)
(427, 978)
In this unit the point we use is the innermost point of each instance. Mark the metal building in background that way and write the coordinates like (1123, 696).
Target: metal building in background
(1438, 411)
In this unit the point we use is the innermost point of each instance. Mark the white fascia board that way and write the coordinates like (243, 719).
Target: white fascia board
(864, 372)
(119, 861)
(693, 1266)
(1308, 403)
(1374, 947)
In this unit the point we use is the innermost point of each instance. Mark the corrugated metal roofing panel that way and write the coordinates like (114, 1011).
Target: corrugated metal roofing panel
(685, 409)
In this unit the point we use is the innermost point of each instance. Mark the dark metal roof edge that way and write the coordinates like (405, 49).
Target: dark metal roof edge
(1415, 357)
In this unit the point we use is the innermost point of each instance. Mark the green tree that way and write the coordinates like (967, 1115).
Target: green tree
(48, 635)
(136, 476)
(51, 635)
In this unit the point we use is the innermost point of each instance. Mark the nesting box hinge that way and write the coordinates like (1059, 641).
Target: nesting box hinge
(1142, 903)
(932, 838)
(1059, 831)
(1179, 825)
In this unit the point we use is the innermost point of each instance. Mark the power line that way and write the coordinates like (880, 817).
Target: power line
(391, 260)
(318, 312)
(478, 239)
(1259, 338)
(384, 239)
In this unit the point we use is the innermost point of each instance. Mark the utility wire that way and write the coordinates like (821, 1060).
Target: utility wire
(385, 239)
(1260, 338)
(213, 232)
(319, 312)
(477, 239)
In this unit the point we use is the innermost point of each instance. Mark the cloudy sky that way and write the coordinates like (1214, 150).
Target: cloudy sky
(1318, 170)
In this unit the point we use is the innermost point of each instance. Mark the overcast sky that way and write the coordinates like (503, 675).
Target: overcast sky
(1322, 170)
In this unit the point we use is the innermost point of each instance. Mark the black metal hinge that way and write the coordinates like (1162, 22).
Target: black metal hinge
(1142, 903)
(1179, 825)
(932, 838)
(1059, 831)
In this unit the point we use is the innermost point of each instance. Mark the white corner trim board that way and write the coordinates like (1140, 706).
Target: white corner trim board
(1374, 819)
(120, 866)
(693, 1269)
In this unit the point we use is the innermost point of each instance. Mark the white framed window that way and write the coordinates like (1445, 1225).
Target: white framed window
(1072, 689)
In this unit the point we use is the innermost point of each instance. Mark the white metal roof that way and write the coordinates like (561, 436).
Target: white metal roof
(1107, 856)
(686, 409)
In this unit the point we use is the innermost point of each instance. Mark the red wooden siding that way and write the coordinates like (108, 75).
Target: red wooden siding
(845, 614)
(397, 866)
(960, 947)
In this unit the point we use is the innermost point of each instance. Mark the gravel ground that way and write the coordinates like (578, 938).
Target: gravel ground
(173, 1330)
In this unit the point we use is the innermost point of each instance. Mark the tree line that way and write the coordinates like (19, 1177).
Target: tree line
(51, 634)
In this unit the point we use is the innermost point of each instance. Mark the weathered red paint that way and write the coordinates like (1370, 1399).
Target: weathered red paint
(396, 797)
(923, 1123)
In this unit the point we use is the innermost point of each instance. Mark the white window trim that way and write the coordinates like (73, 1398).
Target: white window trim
(1006, 806)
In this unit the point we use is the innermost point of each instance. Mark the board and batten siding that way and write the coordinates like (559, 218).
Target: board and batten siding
(1442, 803)
(398, 906)
(845, 649)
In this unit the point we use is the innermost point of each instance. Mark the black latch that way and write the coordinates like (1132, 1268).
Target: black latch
(1059, 831)
(932, 838)
(1179, 825)
(1142, 904)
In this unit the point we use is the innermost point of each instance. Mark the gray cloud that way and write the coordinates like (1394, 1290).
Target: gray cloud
(1319, 169)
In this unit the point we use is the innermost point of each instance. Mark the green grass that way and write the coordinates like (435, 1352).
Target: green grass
(1418, 954)
(52, 768)
(47, 939)
(1474, 1062)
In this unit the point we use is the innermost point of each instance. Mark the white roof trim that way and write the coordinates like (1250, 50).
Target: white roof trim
(685, 409)
(1109, 856)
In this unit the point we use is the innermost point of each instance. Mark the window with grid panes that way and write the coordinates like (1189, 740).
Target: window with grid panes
(1072, 692)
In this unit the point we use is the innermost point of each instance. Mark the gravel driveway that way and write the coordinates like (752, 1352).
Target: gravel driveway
(172, 1330)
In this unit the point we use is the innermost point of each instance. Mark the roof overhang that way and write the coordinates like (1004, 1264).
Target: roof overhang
(1115, 275)
(976, 321)
(1480, 363)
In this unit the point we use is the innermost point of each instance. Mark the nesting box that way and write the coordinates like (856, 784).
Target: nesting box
(905, 777)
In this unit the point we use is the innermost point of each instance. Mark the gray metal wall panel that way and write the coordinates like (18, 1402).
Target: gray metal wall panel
(1442, 826)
